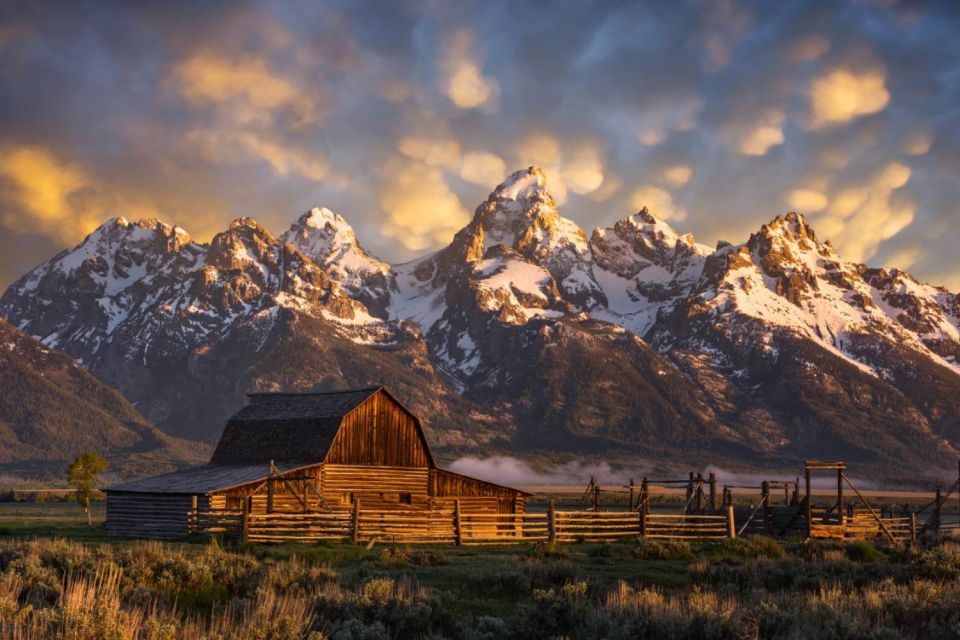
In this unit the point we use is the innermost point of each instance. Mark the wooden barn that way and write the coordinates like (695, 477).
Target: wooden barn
(306, 452)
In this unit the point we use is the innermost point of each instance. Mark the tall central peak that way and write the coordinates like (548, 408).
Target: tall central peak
(523, 185)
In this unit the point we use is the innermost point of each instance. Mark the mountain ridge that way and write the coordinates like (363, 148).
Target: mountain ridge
(475, 325)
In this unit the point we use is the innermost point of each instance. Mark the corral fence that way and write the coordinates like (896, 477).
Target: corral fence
(457, 527)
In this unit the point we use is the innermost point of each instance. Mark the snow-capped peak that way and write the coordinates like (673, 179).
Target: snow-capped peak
(522, 184)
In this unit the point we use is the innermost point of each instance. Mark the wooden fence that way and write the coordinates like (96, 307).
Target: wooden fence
(452, 526)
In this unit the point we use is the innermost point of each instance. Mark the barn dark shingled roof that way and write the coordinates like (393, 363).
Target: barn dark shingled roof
(286, 427)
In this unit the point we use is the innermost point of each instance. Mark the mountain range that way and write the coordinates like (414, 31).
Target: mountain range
(524, 335)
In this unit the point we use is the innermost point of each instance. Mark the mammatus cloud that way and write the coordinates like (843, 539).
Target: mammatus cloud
(462, 76)
(241, 147)
(658, 201)
(858, 219)
(482, 168)
(572, 169)
(842, 95)
(43, 194)
(678, 175)
(421, 209)
(243, 90)
(763, 136)
(807, 200)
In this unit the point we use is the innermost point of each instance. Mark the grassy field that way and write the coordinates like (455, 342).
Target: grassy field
(59, 579)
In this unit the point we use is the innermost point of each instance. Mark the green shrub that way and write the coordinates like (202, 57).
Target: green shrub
(863, 551)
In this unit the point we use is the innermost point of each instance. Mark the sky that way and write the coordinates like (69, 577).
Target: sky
(402, 116)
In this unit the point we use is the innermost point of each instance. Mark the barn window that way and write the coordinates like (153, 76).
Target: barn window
(406, 498)
(346, 497)
(234, 503)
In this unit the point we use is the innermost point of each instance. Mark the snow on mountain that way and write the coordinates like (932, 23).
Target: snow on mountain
(518, 287)
(327, 239)
(643, 266)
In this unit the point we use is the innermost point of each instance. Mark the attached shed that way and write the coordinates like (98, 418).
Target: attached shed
(306, 452)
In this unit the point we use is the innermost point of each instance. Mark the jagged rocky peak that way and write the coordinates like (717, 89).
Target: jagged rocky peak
(521, 214)
(244, 243)
(328, 240)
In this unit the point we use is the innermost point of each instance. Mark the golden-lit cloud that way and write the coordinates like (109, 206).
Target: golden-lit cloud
(576, 168)
(919, 144)
(841, 95)
(763, 136)
(243, 147)
(860, 218)
(658, 124)
(245, 90)
(463, 81)
(434, 152)
(582, 171)
(678, 175)
(652, 137)
(43, 194)
(658, 201)
(809, 49)
(807, 200)
(483, 168)
(421, 210)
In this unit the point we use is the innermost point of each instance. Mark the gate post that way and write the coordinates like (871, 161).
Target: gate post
(457, 530)
(355, 521)
(913, 526)
(713, 492)
(551, 522)
(731, 524)
(765, 497)
(809, 502)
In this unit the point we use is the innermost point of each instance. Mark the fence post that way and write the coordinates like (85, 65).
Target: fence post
(686, 508)
(631, 495)
(551, 522)
(731, 524)
(936, 508)
(245, 520)
(809, 502)
(765, 497)
(355, 521)
(644, 506)
(457, 530)
(913, 526)
(713, 492)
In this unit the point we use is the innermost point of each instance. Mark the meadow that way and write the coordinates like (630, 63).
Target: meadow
(59, 579)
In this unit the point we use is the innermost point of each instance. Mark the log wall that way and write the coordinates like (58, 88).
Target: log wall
(148, 515)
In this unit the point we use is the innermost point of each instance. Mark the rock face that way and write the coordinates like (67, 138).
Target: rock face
(523, 334)
(52, 410)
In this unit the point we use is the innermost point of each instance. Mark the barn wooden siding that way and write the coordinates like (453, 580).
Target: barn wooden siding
(379, 432)
(149, 515)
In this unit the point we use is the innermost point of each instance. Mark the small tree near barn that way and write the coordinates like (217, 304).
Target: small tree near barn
(82, 475)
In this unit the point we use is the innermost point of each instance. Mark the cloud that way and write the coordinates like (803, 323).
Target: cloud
(859, 219)
(582, 171)
(842, 95)
(434, 152)
(766, 134)
(678, 175)
(242, 147)
(245, 90)
(46, 195)
(807, 200)
(483, 168)
(919, 145)
(421, 209)
(463, 81)
(658, 201)
(808, 49)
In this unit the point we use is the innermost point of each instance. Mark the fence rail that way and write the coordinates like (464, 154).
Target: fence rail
(446, 526)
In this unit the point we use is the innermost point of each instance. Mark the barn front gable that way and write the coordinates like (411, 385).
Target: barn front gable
(380, 431)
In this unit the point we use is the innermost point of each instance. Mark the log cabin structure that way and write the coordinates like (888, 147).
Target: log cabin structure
(307, 452)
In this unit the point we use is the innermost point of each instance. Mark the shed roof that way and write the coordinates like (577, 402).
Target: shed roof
(286, 426)
(203, 479)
